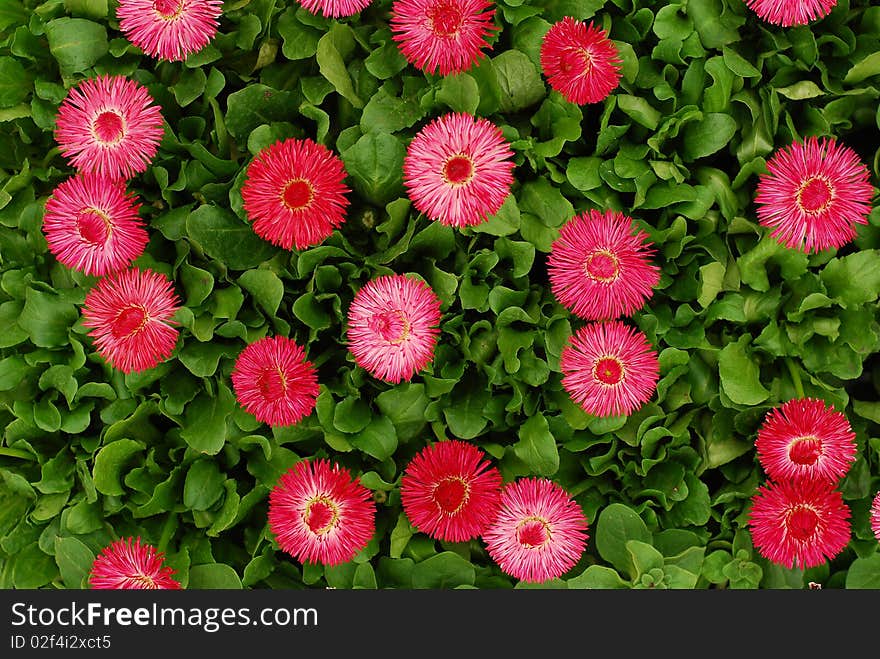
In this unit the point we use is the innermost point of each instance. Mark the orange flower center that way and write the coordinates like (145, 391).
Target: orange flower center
(533, 532)
(168, 9)
(608, 370)
(458, 170)
(297, 194)
(321, 515)
(451, 494)
(391, 326)
(445, 18)
(602, 266)
(815, 195)
(802, 522)
(272, 384)
(109, 127)
(129, 320)
(805, 450)
(93, 225)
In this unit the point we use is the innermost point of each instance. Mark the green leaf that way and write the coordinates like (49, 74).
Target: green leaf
(224, 237)
(203, 486)
(598, 577)
(375, 164)
(298, 41)
(644, 557)
(213, 576)
(256, 105)
(442, 571)
(14, 82)
(332, 65)
(615, 526)
(740, 375)
(351, 415)
(389, 114)
(76, 43)
(404, 405)
(109, 464)
(853, 280)
(863, 69)
(74, 560)
(639, 110)
(537, 446)
(378, 439)
(864, 573)
(46, 318)
(202, 359)
(265, 287)
(712, 133)
(460, 93)
(738, 64)
(800, 91)
(520, 82)
(204, 426)
(32, 568)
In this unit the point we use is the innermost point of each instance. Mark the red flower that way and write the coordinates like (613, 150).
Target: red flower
(109, 125)
(599, 267)
(274, 381)
(319, 514)
(335, 8)
(129, 565)
(791, 12)
(294, 193)
(392, 327)
(92, 225)
(450, 492)
(448, 35)
(815, 194)
(609, 368)
(458, 169)
(169, 29)
(799, 523)
(804, 439)
(580, 61)
(875, 516)
(540, 532)
(130, 313)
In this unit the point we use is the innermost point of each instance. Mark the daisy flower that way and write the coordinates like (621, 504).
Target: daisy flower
(335, 8)
(274, 381)
(539, 533)
(799, 523)
(169, 29)
(580, 61)
(130, 565)
(444, 35)
(805, 439)
(791, 12)
(130, 313)
(392, 327)
(815, 193)
(109, 125)
(599, 267)
(458, 169)
(450, 491)
(875, 516)
(92, 225)
(294, 193)
(319, 514)
(609, 368)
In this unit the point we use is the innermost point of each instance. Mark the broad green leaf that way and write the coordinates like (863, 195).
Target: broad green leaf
(213, 576)
(443, 571)
(203, 485)
(520, 82)
(537, 446)
(76, 43)
(598, 577)
(14, 83)
(378, 439)
(74, 561)
(110, 463)
(740, 375)
(375, 165)
(205, 421)
(616, 525)
(226, 238)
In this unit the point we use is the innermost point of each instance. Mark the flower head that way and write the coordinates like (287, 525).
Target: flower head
(580, 61)
(130, 565)
(609, 368)
(799, 523)
(815, 194)
(539, 533)
(875, 516)
(294, 193)
(274, 381)
(392, 327)
(444, 35)
(319, 514)
(109, 125)
(804, 439)
(130, 313)
(458, 169)
(450, 491)
(169, 29)
(335, 8)
(92, 225)
(599, 267)
(791, 12)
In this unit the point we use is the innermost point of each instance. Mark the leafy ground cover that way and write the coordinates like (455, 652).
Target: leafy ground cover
(742, 324)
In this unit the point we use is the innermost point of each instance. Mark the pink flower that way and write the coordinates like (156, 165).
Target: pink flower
(580, 61)
(274, 381)
(540, 532)
(599, 267)
(458, 169)
(169, 29)
(815, 194)
(609, 368)
(130, 313)
(318, 514)
(791, 12)
(335, 8)
(92, 225)
(803, 439)
(130, 565)
(875, 516)
(448, 35)
(799, 523)
(109, 125)
(294, 193)
(450, 492)
(392, 327)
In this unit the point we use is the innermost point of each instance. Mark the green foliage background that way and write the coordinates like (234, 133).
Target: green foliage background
(708, 92)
